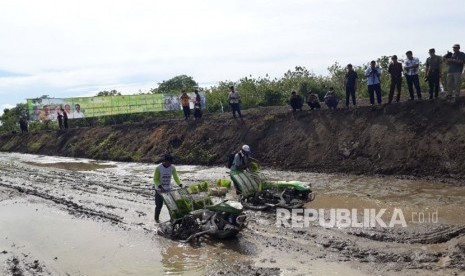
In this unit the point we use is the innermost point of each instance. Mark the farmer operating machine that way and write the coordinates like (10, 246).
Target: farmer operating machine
(194, 215)
(258, 193)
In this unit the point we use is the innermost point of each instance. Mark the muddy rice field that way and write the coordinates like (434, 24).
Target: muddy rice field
(66, 216)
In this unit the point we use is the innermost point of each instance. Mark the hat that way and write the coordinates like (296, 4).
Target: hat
(456, 46)
(246, 149)
(431, 50)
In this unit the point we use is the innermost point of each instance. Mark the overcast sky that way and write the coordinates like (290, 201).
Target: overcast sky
(78, 48)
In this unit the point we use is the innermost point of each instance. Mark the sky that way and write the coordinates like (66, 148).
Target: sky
(78, 48)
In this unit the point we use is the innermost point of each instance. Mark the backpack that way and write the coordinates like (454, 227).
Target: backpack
(231, 159)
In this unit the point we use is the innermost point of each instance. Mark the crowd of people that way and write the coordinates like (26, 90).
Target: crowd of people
(409, 68)
(455, 68)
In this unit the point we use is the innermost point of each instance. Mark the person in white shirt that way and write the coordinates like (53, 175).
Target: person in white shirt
(234, 100)
(68, 111)
(162, 181)
(77, 112)
(411, 74)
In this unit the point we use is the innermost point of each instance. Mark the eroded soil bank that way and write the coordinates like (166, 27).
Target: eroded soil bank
(66, 216)
(425, 138)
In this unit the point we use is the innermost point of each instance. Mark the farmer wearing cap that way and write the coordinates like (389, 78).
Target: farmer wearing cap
(241, 162)
(162, 181)
(454, 73)
(242, 159)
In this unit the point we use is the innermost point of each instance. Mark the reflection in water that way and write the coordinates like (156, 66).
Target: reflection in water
(196, 259)
(178, 258)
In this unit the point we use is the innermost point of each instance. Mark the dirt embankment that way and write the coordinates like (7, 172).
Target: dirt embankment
(424, 138)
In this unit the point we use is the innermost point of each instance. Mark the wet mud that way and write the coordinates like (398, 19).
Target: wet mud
(65, 216)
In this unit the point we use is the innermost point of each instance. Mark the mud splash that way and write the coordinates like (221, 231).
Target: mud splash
(55, 220)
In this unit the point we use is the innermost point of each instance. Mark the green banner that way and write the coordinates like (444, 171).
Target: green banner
(85, 107)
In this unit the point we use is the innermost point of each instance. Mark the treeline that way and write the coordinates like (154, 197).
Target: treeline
(254, 91)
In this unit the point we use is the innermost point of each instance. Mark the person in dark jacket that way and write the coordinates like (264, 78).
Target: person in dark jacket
(350, 85)
(313, 101)
(197, 111)
(60, 119)
(296, 101)
(331, 98)
(65, 118)
(395, 70)
(23, 125)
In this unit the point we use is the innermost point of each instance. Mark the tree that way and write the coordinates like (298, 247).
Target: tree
(272, 97)
(337, 73)
(106, 93)
(10, 117)
(39, 99)
(176, 84)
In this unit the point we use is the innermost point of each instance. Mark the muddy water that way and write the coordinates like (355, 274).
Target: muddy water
(84, 217)
(79, 247)
(417, 198)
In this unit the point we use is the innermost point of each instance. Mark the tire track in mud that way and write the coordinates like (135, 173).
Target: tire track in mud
(441, 234)
(36, 182)
(83, 179)
(72, 207)
(318, 242)
(396, 261)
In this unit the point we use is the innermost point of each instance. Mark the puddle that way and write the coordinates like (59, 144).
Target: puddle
(84, 247)
(81, 247)
(67, 245)
(420, 201)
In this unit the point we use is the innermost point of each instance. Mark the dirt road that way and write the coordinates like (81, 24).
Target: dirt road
(65, 216)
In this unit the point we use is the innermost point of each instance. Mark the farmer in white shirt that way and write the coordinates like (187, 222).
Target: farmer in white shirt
(162, 181)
